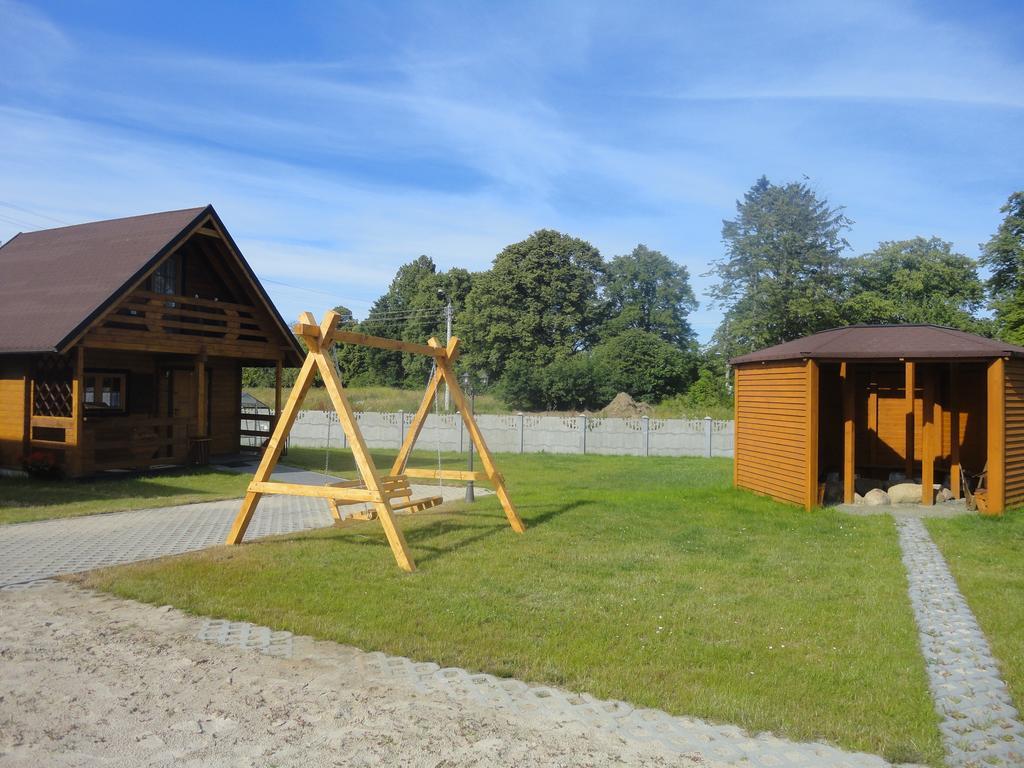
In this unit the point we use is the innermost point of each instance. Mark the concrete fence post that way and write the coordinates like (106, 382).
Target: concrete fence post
(401, 428)
(458, 424)
(707, 436)
(582, 422)
(645, 430)
(521, 432)
(344, 437)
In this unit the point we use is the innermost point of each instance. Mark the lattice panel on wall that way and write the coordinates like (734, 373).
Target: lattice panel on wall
(51, 386)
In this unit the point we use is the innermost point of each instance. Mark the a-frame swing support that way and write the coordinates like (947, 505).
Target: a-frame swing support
(373, 488)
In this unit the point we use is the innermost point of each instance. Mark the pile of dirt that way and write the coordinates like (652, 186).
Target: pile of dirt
(623, 406)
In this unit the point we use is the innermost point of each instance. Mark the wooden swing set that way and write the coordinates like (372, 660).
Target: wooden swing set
(386, 493)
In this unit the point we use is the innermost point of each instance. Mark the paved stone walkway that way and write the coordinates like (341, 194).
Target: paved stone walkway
(683, 737)
(39, 550)
(980, 726)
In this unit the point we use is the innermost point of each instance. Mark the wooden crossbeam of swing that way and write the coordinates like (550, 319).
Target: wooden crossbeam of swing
(366, 340)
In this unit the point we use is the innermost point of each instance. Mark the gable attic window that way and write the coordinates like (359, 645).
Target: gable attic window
(166, 278)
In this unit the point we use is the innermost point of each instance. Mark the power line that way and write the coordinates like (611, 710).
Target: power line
(33, 213)
(16, 222)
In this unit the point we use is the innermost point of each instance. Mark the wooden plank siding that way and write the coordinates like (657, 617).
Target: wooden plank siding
(771, 451)
(1014, 432)
(12, 412)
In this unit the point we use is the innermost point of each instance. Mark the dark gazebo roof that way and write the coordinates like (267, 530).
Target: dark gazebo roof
(885, 342)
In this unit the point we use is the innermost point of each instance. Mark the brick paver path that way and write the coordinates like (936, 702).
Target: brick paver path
(980, 726)
(39, 550)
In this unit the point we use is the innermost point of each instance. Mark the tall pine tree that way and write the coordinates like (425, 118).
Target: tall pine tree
(781, 276)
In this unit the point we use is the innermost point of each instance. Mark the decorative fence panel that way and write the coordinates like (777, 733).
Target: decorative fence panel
(525, 433)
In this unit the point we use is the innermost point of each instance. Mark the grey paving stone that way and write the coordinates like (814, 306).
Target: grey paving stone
(980, 726)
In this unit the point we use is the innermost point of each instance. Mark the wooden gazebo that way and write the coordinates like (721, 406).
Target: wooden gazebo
(867, 400)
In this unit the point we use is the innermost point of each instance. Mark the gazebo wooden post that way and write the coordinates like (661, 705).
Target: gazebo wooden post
(811, 499)
(928, 441)
(909, 418)
(954, 430)
(995, 478)
(849, 432)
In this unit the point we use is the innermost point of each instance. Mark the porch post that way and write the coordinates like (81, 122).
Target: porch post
(78, 411)
(929, 406)
(996, 475)
(277, 394)
(849, 432)
(909, 419)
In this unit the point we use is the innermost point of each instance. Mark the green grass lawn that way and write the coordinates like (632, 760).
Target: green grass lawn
(649, 580)
(22, 500)
(986, 556)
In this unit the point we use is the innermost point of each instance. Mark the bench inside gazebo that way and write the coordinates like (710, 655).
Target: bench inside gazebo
(870, 401)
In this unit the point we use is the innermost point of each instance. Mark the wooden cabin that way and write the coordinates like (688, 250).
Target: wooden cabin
(869, 400)
(122, 342)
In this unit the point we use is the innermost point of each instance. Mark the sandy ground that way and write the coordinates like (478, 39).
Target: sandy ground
(86, 679)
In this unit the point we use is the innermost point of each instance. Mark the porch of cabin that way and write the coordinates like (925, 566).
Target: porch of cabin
(97, 409)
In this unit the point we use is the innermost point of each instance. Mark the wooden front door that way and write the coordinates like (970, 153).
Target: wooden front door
(183, 396)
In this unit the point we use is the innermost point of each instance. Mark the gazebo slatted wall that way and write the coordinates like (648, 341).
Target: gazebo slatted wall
(1014, 427)
(772, 425)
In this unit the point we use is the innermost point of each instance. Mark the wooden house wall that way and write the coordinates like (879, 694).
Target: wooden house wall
(1014, 438)
(771, 430)
(200, 278)
(12, 411)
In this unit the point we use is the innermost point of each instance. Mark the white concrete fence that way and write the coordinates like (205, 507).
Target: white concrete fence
(524, 433)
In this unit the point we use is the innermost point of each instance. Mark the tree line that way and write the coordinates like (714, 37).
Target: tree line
(552, 325)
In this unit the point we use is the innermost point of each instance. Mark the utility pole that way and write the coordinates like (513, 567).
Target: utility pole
(467, 383)
(447, 340)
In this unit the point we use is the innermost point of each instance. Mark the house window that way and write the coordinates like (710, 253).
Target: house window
(105, 392)
(167, 277)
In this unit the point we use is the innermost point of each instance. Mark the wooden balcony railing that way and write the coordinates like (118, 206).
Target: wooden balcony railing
(185, 322)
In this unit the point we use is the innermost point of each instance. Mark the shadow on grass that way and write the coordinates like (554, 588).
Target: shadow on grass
(419, 537)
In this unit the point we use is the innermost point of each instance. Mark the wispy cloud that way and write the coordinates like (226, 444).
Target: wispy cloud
(424, 128)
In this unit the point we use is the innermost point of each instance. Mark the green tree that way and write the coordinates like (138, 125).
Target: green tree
(710, 390)
(538, 301)
(780, 278)
(922, 280)
(647, 290)
(1003, 255)
(644, 365)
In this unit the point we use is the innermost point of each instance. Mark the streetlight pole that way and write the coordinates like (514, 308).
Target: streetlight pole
(467, 383)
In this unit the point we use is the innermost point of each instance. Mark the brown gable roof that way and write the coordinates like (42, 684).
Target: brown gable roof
(885, 342)
(54, 282)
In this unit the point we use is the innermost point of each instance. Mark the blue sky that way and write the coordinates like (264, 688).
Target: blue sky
(340, 140)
